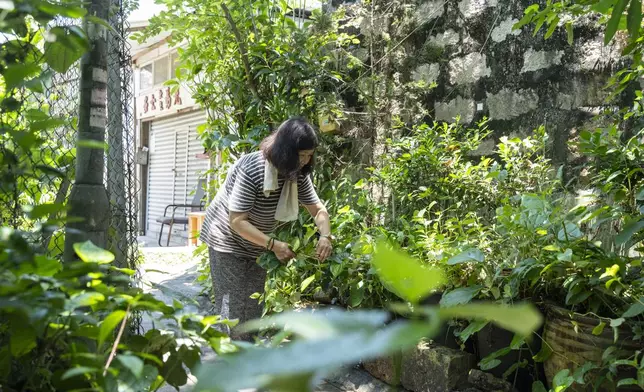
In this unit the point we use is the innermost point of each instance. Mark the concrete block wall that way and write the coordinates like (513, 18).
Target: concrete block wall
(484, 68)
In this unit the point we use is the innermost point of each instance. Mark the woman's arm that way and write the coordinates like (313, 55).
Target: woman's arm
(321, 217)
(322, 221)
(239, 222)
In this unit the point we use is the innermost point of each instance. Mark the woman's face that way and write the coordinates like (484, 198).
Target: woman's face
(305, 157)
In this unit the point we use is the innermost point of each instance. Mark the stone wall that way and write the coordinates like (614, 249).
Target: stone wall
(484, 68)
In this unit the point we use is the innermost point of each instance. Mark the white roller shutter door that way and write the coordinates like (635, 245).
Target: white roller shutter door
(174, 169)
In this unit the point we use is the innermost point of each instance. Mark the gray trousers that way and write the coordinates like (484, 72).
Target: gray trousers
(234, 280)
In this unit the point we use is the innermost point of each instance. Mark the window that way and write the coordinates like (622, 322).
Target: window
(161, 70)
(174, 58)
(146, 77)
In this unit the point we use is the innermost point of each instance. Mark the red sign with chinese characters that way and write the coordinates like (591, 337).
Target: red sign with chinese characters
(162, 101)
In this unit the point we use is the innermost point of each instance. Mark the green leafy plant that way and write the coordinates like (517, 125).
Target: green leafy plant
(323, 341)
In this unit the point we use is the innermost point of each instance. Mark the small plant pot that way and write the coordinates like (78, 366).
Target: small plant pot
(491, 339)
(445, 336)
(570, 336)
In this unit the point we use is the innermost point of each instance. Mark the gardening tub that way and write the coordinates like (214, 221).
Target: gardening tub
(570, 336)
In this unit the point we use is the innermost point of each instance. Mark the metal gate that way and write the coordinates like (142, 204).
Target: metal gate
(174, 168)
(60, 98)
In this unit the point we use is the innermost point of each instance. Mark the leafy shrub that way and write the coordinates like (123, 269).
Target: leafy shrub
(64, 325)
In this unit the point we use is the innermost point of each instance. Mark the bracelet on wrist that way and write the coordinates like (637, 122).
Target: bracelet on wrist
(270, 244)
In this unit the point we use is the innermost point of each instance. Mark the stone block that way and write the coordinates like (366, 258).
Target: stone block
(534, 60)
(354, 380)
(435, 368)
(459, 106)
(429, 10)
(385, 369)
(427, 73)
(501, 32)
(468, 69)
(446, 38)
(508, 104)
(472, 8)
(486, 382)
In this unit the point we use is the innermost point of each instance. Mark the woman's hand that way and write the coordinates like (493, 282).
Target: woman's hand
(283, 251)
(324, 248)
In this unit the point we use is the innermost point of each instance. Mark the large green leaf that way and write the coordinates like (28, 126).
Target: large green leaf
(636, 309)
(322, 324)
(613, 23)
(14, 75)
(85, 299)
(538, 386)
(108, 325)
(42, 210)
(58, 9)
(521, 319)
(406, 276)
(78, 371)
(23, 339)
(634, 20)
(460, 296)
(90, 253)
(306, 282)
(629, 231)
(67, 47)
(356, 295)
(471, 329)
(467, 256)
(133, 363)
(128, 382)
(5, 362)
(259, 367)
(173, 371)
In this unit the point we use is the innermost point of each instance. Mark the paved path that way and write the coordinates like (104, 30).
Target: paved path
(170, 273)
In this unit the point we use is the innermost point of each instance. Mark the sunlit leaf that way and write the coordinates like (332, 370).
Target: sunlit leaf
(460, 296)
(521, 319)
(306, 282)
(408, 278)
(599, 328)
(86, 299)
(42, 210)
(14, 75)
(321, 324)
(78, 371)
(66, 47)
(543, 354)
(259, 367)
(94, 144)
(90, 253)
(108, 325)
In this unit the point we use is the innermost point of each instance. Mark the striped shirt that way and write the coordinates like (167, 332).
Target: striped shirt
(243, 191)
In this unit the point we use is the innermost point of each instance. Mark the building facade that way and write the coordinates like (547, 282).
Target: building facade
(170, 154)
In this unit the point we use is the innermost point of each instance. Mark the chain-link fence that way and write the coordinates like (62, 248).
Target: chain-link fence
(59, 98)
(121, 183)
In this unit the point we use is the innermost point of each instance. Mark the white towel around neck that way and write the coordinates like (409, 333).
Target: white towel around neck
(287, 206)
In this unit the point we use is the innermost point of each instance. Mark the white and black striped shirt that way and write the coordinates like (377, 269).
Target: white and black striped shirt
(243, 191)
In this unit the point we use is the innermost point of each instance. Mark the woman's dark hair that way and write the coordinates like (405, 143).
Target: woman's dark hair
(282, 147)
